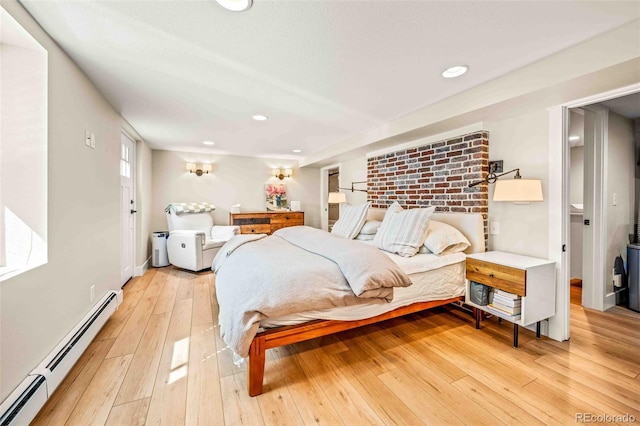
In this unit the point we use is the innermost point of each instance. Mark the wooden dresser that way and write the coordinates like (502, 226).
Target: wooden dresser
(265, 222)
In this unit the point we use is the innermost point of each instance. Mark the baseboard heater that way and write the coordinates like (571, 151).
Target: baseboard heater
(21, 407)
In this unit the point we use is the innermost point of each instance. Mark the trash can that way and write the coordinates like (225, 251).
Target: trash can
(633, 271)
(159, 249)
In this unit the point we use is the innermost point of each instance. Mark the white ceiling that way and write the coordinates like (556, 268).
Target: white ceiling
(186, 71)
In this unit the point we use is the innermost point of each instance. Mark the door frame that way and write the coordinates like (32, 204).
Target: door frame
(324, 193)
(134, 231)
(559, 212)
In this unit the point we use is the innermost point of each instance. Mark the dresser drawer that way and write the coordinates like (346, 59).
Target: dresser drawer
(255, 229)
(502, 277)
(287, 219)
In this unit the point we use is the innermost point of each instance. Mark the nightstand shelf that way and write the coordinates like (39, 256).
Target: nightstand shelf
(532, 279)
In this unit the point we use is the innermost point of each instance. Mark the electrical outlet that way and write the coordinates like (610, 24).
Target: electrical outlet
(615, 199)
(494, 228)
(92, 293)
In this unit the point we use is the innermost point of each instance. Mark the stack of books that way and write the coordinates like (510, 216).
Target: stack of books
(505, 303)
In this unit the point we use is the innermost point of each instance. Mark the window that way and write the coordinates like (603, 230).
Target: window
(23, 150)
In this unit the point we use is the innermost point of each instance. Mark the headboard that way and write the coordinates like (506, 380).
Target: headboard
(470, 224)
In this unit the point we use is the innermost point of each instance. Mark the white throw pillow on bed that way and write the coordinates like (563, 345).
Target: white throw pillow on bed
(444, 239)
(403, 231)
(370, 227)
(365, 237)
(351, 220)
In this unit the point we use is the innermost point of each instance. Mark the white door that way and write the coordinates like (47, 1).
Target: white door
(127, 208)
(594, 290)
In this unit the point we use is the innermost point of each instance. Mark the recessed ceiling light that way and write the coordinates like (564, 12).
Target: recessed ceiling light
(260, 117)
(235, 5)
(208, 142)
(297, 151)
(574, 138)
(456, 71)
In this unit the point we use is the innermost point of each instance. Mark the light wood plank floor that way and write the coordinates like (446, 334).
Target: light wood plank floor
(160, 360)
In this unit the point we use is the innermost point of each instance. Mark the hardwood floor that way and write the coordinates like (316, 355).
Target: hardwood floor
(160, 360)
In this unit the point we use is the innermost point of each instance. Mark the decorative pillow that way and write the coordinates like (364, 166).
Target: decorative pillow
(445, 239)
(403, 231)
(365, 237)
(351, 220)
(370, 227)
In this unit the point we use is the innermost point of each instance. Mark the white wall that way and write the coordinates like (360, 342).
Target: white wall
(576, 175)
(39, 307)
(576, 191)
(521, 142)
(234, 180)
(354, 171)
(620, 181)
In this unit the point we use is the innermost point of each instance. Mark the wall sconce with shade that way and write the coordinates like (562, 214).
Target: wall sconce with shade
(282, 173)
(199, 171)
(337, 198)
(517, 190)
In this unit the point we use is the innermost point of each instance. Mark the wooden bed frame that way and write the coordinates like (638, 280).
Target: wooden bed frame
(470, 224)
(282, 336)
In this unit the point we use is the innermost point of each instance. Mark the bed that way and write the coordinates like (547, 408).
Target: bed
(280, 330)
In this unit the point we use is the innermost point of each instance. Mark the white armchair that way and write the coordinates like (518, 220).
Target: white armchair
(194, 240)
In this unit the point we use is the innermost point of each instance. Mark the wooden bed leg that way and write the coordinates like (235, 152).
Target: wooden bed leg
(255, 375)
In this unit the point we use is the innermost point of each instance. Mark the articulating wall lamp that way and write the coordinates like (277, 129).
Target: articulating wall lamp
(282, 173)
(192, 168)
(355, 189)
(517, 190)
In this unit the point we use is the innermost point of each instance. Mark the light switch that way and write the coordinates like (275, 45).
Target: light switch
(494, 228)
(615, 199)
(87, 138)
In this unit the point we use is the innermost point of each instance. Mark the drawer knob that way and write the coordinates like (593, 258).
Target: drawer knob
(491, 275)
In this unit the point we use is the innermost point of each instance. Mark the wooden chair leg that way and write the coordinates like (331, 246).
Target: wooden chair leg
(255, 375)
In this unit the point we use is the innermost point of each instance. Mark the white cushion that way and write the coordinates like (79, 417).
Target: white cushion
(351, 220)
(370, 227)
(403, 231)
(444, 239)
(224, 232)
(365, 237)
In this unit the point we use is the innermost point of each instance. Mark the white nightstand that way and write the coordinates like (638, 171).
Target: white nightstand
(530, 278)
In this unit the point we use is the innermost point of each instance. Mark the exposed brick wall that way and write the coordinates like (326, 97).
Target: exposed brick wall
(437, 174)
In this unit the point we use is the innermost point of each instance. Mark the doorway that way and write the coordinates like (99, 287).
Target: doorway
(127, 208)
(334, 209)
(559, 206)
(329, 182)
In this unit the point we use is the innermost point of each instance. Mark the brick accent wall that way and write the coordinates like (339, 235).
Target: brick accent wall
(437, 174)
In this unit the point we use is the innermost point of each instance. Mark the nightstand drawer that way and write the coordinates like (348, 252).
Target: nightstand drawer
(255, 229)
(502, 277)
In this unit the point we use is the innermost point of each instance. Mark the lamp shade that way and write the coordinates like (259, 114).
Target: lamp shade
(288, 172)
(206, 168)
(518, 190)
(337, 197)
(191, 167)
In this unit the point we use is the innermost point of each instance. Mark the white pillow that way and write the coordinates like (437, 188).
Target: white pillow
(403, 231)
(365, 237)
(370, 227)
(351, 220)
(445, 239)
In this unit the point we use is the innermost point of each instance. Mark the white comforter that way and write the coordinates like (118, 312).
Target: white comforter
(295, 270)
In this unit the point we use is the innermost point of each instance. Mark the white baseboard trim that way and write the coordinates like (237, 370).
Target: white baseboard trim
(139, 270)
